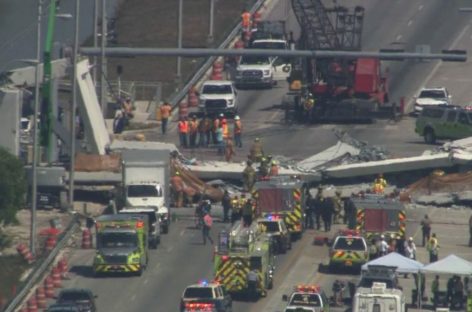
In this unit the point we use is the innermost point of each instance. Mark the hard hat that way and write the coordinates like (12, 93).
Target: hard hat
(236, 117)
(410, 239)
(382, 236)
(274, 162)
(310, 94)
(177, 173)
(256, 139)
(221, 115)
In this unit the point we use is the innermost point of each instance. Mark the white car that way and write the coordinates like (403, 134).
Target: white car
(281, 66)
(218, 97)
(255, 71)
(432, 96)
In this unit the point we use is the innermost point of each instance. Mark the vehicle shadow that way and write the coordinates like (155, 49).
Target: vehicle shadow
(82, 270)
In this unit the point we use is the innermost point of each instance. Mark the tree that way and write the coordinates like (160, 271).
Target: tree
(12, 186)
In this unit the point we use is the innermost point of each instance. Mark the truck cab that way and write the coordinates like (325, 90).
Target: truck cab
(281, 66)
(154, 234)
(254, 71)
(218, 97)
(379, 298)
(121, 244)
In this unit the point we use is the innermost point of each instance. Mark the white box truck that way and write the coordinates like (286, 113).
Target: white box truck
(379, 298)
(146, 181)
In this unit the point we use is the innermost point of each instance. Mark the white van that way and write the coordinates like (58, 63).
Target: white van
(379, 298)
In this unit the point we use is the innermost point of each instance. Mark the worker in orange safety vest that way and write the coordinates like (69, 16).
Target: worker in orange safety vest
(245, 20)
(193, 130)
(183, 131)
(177, 185)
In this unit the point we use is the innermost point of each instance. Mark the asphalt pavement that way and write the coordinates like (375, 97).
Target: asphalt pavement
(182, 260)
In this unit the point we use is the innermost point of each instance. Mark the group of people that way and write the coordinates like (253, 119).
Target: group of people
(122, 115)
(240, 207)
(330, 210)
(395, 243)
(194, 133)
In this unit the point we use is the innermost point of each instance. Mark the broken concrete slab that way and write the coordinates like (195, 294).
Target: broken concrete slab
(439, 199)
(119, 145)
(334, 155)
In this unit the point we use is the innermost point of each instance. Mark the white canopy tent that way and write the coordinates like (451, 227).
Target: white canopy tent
(403, 264)
(452, 264)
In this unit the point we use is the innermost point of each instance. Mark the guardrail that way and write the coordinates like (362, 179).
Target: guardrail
(41, 266)
(176, 98)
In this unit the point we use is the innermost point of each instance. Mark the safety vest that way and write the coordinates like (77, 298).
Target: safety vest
(378, 188)
(246, 18)
(309, 104)
(193, 126)
(381, 181)
(183, 126)
(237, 127)
(225, 131)
(235, 204)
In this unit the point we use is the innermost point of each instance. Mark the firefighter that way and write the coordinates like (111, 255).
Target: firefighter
(308, 105)
(309, 208)
(229, 149)
(214, 129)
(249, 177)
(318, 206)
(256, 151)
(193, 131)
(264, 167)
(327, 213)
(274, 169)
(247, 213)
(235, 209)
(226, 202)
(178, 189)
(350, 213)
(380, 184)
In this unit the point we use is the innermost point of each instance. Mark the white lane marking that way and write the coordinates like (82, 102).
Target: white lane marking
(438, 64)
(399, 37)
(409, 23)
(145, 281)
(182, 233)
(420, 7)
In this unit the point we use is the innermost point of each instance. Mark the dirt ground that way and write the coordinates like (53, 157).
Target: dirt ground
(154, 23)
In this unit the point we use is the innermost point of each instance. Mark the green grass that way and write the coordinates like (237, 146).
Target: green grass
(11, 269)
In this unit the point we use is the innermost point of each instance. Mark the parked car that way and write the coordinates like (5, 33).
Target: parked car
(432, 96)
(444, 122)
(83, 298)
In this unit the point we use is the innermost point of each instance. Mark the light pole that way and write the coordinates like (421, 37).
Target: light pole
(179, 43)
(95, 40)
(74, 106)
(34, 191)
(212, 15)
(103, 61)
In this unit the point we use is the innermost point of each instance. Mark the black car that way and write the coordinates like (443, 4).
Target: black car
(84, 299)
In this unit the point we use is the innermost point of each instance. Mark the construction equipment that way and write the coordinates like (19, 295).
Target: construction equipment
(282, 196)
(122, 244)
(378, 215)
(240, 253)
(340, 90)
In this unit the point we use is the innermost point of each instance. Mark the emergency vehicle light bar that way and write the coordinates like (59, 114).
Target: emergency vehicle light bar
(349, 232)
(203, 282)
(199, 306)
(273, 217)
(308, 288)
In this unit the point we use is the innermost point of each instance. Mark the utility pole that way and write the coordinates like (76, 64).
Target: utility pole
(103, 62)
(34, 191)
(212, 18)
(179, 44)
(74, 106)
(95, 40)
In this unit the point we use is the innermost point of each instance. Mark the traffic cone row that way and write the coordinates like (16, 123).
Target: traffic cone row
(32, 305)
(63, 267)
(49, 287)
(41, 297)
(87, 236)
(217, 71)
(192, 97)
(56, 277)
(25, 253)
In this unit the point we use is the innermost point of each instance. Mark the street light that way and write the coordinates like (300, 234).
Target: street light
(74, 106)
(212, 14)
(179, 43)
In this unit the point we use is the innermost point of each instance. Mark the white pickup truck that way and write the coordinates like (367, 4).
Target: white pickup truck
(218, 97)
(281, 66)
(255, 71)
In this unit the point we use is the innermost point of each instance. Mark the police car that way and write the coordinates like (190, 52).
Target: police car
(348, 250)
(275, 227)
(307, 298)
(205, 297)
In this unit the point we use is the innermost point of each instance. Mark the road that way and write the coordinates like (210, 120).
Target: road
(181, 260)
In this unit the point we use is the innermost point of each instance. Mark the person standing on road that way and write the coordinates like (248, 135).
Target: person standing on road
(165, 110)
(220, 144)
(327, 212)
(247, 213)
(249, 177)
(201, 132)
(318, 206)
(410, 249)
(383, 246)
(426, 229)
(237, 131)
(193, 130)
(433, 248)
(350, 213)
(226, 203)
(309, 207)
(256, 152)
(207, 224)
(229, 150)
(183, 131)
(214, 129)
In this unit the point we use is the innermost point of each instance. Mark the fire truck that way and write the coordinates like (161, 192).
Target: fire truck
(284, 197)
(239, 252)
(377, 215)
(122, 244)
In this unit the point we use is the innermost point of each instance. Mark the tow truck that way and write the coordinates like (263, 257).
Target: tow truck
(274, 227)
(307, 298)
(348, 250)
(205, 297)
(122, 245)
(379, 298)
